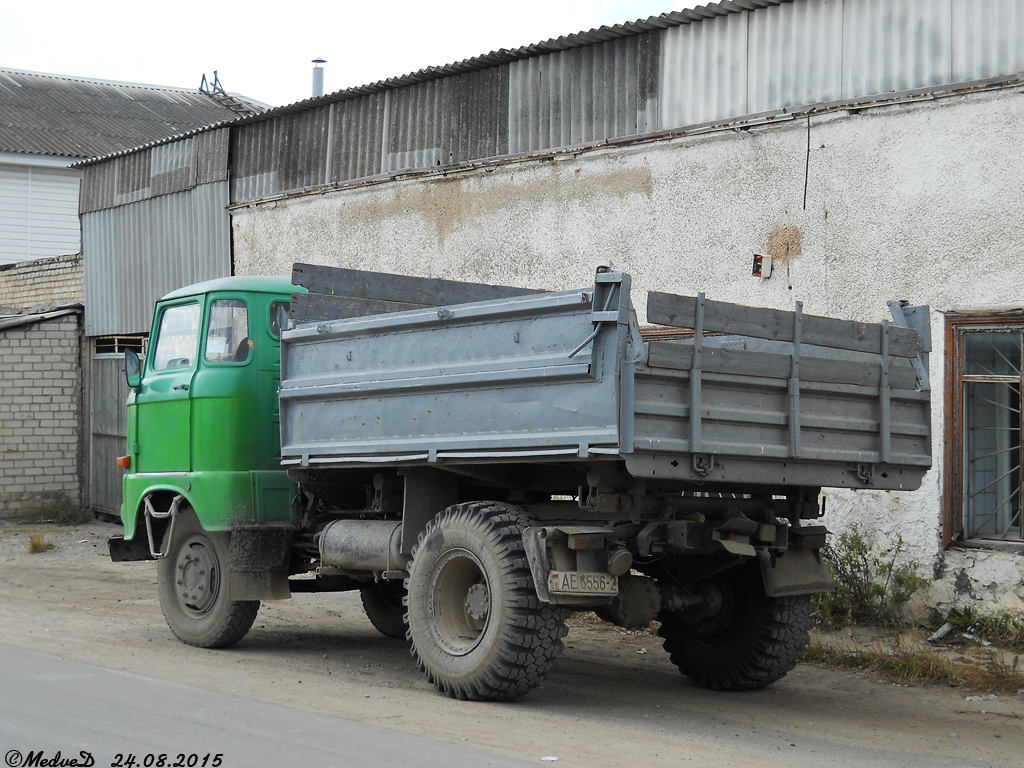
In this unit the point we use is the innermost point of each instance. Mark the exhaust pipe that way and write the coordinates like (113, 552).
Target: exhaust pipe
(318, 77)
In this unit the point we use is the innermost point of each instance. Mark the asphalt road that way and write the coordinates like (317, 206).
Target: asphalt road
(55, 705)
(314, 680)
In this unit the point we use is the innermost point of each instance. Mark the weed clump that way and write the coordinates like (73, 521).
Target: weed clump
(915, 667)
(60, 511)
(37, 544)
(1003, 629)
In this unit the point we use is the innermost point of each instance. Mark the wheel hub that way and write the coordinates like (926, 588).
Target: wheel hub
(478, 602)
(196, 577)
(460, 602)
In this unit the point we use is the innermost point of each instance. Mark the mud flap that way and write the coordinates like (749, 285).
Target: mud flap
(124, 550)
(259, 557)
(259, 585)
(797, 572)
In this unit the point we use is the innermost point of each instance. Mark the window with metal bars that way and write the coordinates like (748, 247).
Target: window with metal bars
(988, 359)
(116, 345)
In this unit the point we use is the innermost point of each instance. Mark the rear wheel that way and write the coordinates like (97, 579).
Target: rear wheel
(383, 603)
(477, 628)
(192, 584)
(747, 640)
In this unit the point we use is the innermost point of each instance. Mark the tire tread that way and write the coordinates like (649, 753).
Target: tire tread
(775, 644)
(532, 635)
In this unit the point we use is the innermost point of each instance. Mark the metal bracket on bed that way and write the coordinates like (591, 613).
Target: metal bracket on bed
(607, 293)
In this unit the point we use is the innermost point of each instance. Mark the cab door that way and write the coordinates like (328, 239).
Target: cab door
(162, 402)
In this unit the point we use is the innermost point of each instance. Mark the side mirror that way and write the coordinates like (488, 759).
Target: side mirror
(132, 368)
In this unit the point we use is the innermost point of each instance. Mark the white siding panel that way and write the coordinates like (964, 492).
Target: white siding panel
(14, 208)
(38, 213)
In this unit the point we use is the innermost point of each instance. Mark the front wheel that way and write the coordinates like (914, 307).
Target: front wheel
(746, 640)
(477, 628)
(192, 584)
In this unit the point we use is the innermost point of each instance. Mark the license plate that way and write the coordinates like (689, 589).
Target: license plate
(582, 583)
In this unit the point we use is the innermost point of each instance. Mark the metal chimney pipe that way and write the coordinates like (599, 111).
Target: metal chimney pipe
(318, 77)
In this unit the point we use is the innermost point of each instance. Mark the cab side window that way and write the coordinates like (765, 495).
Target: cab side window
(177, 338)
(227, 340)
(278, 318)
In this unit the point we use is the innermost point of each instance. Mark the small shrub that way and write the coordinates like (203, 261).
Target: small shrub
(61, 511)
(37, 544)
(870, 588)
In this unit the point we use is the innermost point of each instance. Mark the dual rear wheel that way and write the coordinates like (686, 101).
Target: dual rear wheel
(748, 640)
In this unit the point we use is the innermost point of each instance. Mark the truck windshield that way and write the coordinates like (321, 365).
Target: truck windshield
(178, 337)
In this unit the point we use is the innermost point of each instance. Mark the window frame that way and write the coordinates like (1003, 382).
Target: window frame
(156, 336)
(954, 511)
(208, 318)
(271, 306)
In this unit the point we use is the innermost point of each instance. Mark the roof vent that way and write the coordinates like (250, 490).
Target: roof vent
(318, 77)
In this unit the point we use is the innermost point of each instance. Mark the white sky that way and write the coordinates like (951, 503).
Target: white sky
(263, 50)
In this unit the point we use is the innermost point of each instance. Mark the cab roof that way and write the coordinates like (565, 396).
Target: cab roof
(249, 283)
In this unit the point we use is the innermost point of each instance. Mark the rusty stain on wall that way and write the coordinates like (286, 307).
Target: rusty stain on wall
(784, 243)
(454, 201)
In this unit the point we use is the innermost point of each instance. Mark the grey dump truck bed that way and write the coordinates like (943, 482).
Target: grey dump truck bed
(743, 396)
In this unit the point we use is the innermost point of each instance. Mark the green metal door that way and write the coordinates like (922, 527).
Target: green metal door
(162, 401)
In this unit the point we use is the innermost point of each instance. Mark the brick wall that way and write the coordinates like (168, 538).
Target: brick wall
(40, 411)
(42, 283)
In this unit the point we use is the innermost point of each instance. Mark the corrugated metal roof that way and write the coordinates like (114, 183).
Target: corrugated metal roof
(76, 117)
(495, 58)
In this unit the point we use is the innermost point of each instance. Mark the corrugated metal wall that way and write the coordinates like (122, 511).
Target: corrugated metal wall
(895, 45)
(814, 51)
(583, 95)
(761, 60)
(153, 221)
(108, 392)
(988, 38)
(446, 121)
(704, 71)
(137, 252)
(357, 137)
(289, 152)
(161, 170)
(795, 55)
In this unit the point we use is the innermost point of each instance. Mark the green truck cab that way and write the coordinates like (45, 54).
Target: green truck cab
(204, 491)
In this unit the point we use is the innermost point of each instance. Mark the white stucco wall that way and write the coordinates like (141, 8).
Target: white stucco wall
(918, 201)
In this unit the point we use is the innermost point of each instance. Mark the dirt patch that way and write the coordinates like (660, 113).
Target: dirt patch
(613, 699)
